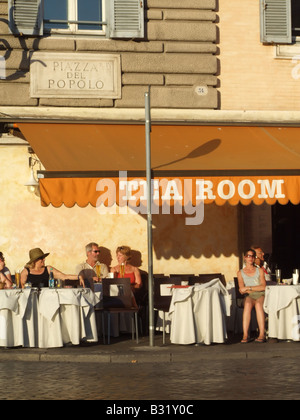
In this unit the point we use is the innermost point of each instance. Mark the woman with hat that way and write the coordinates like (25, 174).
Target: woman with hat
(37, 272)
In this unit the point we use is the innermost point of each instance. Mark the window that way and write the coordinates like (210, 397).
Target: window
(280, 21)
(112, 18)
(74, 16)
(296, 18)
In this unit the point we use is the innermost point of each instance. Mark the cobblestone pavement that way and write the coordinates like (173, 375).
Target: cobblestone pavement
(247, 379)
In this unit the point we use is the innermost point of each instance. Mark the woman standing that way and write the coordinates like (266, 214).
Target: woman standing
(37, 273)
(124, 269)
(252, 284)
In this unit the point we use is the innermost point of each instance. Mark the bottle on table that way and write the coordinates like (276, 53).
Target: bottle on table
(51, 279)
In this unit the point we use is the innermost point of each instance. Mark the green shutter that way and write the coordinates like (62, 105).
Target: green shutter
(276, 21)
(126, 19)
(25, 17)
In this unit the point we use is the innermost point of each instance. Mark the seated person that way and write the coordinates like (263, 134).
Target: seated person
(124, 269)
(260, 261)
(5, 276)
(92, 270)
(37, 273)
(252, 284)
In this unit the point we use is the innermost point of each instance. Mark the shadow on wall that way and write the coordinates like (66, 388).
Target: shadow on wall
(172, 238)
(106, 257)
(216, 236)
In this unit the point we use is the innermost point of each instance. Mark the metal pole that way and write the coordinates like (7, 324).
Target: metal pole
(149, 218)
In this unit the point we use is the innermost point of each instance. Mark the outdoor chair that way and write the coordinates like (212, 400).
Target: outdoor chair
(239, 305)
(161, 302)
(118, 298)
(205, 278)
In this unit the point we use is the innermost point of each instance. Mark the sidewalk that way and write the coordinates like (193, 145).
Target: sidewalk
(124, 350)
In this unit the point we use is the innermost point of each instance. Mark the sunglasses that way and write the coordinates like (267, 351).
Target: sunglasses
(96, 252)
(250, 256)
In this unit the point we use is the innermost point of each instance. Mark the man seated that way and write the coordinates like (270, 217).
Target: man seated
(260, 262)
(92, 270)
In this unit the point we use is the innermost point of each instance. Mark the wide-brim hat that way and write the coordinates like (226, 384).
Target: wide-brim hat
(36, 254)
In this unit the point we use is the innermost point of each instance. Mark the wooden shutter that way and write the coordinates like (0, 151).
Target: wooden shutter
(126, 19)
(25, 17)
(276, 21)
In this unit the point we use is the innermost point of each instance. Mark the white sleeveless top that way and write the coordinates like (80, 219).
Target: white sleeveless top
(251, 280)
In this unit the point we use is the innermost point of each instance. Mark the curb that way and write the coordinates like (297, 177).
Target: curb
(133, 355)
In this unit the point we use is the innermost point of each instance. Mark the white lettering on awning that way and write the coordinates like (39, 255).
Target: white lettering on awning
(231, 189)
(178, 194)
(268, 190)
(241, 190)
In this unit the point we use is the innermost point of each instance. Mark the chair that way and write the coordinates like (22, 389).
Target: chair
(239, 302)
(118, 298)
(205, 278)
(162, 302)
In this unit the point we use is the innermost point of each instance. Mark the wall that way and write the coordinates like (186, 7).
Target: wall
(250, 77)
(176, 56)
(209, 247)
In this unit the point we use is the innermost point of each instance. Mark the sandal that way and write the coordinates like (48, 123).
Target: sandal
(260, 340)
(245, 340)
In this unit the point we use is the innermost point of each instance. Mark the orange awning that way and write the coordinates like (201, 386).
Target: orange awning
(168, 191)
(223, 163)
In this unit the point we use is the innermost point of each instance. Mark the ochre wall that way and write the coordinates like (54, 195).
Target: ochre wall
(64, 232)
(251, 78)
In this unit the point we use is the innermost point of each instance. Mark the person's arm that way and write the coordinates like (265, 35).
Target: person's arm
(4, 279)
(114, 269)
(242, 287)
(23, 277)
(59, 275)
(104, 271)
(8, 275)
(138, 278)
(260, 288)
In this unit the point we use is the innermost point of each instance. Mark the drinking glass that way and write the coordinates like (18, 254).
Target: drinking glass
(98, 271)
(278, 275)
(17, 278)
(59, 283)
(296, 276)
(122, 270)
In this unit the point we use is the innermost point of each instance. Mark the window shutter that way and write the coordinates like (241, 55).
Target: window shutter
(276, 21)
(25, 17)
(126, 19)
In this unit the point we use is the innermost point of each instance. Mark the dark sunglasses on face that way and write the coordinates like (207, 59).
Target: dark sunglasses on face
(96, 252)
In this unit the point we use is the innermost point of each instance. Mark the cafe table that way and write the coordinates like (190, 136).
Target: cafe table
(18, 317)
(198, 313)
(66, 316)
(282, 304)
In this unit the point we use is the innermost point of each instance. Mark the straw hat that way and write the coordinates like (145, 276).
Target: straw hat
(36, 254)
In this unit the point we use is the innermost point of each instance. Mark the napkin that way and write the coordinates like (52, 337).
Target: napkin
(48, 303)
(9, 299)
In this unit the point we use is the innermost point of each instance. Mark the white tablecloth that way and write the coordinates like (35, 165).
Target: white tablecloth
(18, 317)
(66, 316)
(282, 304)
(198, 313)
